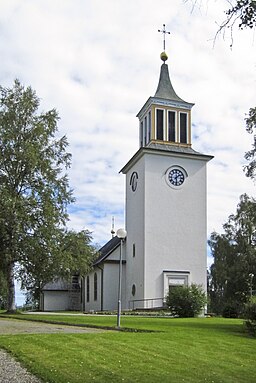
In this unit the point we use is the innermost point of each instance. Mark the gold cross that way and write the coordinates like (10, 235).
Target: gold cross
(164, 33)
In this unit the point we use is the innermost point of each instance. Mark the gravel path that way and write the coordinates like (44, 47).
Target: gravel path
(11, 371)
(16, 326)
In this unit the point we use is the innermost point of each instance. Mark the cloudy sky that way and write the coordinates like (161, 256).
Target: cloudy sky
(97, 62)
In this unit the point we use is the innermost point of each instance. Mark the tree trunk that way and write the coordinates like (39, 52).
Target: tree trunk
(11, 288)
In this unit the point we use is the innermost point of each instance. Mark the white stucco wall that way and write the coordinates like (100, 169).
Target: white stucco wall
(167, 225)
(56, 300)
(93, 304)
(110, 270)
(135, 222)
(175, 230)
(111, 282)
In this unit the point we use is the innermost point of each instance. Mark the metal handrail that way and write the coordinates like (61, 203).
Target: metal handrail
(146, 300)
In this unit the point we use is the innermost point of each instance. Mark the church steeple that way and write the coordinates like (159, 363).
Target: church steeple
(165, 118)
(165, 88)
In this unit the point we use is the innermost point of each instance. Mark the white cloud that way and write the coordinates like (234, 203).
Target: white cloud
(97, 62)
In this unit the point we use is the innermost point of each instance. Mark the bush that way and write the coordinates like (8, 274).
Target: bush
(186, 301)
(231, 310)
(250, 316)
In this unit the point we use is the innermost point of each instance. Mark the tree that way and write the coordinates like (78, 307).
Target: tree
(234, 255)
(186, 301)
(72, 252)
(250, 169)
(34, 188)
(250, 316)
(242, 12)
(3, 290)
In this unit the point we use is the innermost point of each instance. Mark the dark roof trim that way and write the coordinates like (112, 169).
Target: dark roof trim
(176, 271)
(115, 261)
(107, 249)
(55, 289)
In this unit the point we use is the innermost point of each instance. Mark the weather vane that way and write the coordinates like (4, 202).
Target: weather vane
(164, 33)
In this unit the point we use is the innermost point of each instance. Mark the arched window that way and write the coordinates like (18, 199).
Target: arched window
(95, 287)
(87, 289)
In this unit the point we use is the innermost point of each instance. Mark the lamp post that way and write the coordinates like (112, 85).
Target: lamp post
(121, 233)
(251, 275)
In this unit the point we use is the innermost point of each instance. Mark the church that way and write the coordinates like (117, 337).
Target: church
(164, 243)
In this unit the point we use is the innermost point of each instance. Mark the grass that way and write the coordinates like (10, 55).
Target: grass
(180, 350)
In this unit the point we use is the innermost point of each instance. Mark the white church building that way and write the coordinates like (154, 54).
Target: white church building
(165, 217)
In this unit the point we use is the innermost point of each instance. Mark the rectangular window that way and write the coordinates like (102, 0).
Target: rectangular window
(149, 127)
(159, 124)
(95, 287)
(183, 128)
(171, 126)
(145, 131)
(133, 250)
(141, 133)
(87, 289)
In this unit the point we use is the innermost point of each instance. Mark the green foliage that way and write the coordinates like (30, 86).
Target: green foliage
(250, 316)
(74, 253)
(186, 301)
(34, 192)
(250, 169)
(232, 309)
(3, 290)
(234, 255)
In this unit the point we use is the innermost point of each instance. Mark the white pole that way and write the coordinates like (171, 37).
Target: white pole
(121, 233)
(120, 287)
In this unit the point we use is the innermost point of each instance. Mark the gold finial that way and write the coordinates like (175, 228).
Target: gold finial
(163, 56)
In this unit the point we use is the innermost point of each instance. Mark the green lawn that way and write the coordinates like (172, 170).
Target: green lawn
(180, 350)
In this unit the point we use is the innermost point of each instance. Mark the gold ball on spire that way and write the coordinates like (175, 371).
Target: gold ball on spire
(163, 56)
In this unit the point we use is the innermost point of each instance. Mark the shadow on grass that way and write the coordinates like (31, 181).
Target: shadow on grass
(232, 326)
(164, 324)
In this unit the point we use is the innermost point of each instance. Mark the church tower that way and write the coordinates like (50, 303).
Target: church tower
(165, 201)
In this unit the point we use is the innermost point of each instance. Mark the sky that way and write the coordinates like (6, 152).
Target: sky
(98, 61)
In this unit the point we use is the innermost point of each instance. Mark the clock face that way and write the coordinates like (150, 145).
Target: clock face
(176, 177)
(134, 181)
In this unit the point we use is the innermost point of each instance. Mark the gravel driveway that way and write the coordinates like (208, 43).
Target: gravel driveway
(11, 371)
(16, 326)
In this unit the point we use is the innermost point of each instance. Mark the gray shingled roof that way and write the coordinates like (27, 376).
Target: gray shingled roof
(57, 285)
(165, 88)
(107, 249)
(172, 148)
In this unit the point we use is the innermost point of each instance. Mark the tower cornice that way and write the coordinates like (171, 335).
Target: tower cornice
(165, 150)
(164, 102)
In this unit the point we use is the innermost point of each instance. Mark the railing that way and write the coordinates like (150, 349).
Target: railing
(147, 304)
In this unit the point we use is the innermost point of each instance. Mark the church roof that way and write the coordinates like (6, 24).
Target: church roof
(107, 249)
(156, 147)
(165, 88)
(57, 285)
(165, 94)
(172, 148)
